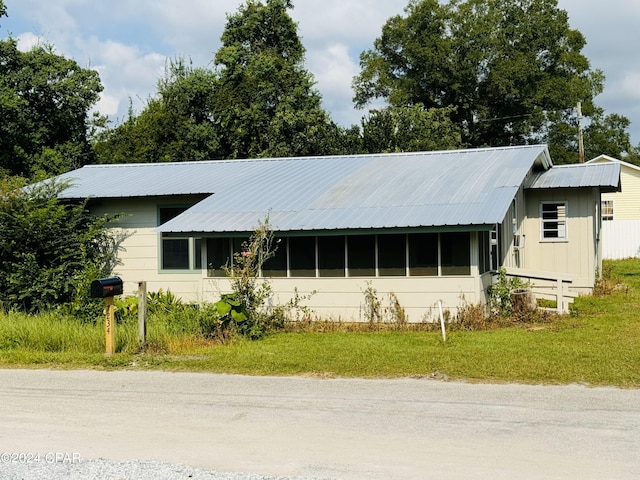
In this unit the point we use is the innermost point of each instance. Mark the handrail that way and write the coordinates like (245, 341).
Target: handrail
(563, 298)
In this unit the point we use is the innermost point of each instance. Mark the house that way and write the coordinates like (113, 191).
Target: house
(621, 213)
(428, 227)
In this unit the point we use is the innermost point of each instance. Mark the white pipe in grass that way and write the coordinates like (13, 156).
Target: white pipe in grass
(444, 333)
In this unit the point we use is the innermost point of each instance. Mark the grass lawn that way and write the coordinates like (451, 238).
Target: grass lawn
(598, 344)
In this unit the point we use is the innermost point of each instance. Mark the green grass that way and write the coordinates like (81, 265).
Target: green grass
(599, 344)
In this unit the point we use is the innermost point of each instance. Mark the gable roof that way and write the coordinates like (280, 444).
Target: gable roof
(433, 189)
(607, 158)
(423, 189)
(603, 175)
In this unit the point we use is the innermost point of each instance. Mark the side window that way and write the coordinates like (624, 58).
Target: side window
(607, 209)
(553, 220)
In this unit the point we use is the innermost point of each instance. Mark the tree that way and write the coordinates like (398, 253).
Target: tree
(44, 104)
(409, 129)
(49, 249)
(177, 125)
(264, 100)
(509, 67)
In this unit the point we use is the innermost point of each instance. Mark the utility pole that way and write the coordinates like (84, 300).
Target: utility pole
(580, 141)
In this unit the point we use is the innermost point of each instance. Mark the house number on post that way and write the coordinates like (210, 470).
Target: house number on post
(106, 288)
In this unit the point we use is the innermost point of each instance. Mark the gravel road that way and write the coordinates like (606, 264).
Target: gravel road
(132, 425)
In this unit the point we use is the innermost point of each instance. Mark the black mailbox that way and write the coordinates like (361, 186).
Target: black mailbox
(106, 287)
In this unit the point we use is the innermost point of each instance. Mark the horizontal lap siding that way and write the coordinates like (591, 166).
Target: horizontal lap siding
(344, 298)
(138, 251)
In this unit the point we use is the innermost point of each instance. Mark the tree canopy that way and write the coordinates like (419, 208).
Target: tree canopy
(513, 69)
(175, 126)
(265, 99)
(44, 104)
(258, 101)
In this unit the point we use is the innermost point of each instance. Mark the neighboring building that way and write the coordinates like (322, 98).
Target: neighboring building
(621, 213)
(428, 227)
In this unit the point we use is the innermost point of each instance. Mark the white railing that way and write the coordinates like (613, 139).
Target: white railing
(547, 285)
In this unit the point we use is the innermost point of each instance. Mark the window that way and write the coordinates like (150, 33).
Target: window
(607, 209)
(423, 254)
(455, 255)
(178, 253)
(554, 220)
(484, 251)
(276, 266)
(331, 256)
(362, 255)
(302, 256)
(392, 255)
(218, 256)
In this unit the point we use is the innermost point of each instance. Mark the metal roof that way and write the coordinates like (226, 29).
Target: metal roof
(603, 175)
(423, 189)
(463, 187)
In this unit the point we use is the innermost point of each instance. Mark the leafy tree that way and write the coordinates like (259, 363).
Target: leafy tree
(175, 126)
(265, 101)
(49, 249)
(44, 101)
(409, 129)
(510, 68)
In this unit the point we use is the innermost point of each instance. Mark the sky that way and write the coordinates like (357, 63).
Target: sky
(130, 41)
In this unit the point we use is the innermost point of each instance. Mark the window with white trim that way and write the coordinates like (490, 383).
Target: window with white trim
(606, 207)
(553, 217)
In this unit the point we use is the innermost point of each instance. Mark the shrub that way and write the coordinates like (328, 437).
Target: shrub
(500, 299)
(50, 249)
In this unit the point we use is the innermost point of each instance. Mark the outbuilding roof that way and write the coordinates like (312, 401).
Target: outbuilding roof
(405, 190)
(603, 175)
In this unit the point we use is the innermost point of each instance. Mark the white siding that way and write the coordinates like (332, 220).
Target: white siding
(626, 203)
(620, 239)
(344, 299)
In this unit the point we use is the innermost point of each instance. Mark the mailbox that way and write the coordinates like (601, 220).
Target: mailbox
(106, 287)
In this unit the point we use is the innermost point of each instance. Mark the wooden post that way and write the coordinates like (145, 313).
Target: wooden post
(142, 312)
(110, 326)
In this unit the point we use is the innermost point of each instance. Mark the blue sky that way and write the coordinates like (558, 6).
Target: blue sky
(129, 42)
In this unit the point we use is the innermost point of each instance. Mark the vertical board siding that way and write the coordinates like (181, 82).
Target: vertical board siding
(620, 239)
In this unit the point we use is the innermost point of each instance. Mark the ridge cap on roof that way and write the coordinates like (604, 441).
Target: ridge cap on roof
(318, 157)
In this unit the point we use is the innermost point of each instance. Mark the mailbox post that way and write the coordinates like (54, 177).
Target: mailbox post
(107, 288)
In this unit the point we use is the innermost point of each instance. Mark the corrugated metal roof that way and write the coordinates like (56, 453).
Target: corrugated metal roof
(603, 175)
(446, 188)
(464, 187)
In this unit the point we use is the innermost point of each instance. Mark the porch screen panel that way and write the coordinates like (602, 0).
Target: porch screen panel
(455, 253)
(361, 254)
(331, 256)
(392, 255)
(218, 256)
(302, 256)
(276, 266)
(423, 254)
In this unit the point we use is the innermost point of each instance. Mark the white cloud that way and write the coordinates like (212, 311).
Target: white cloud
(129, 40)
(28, 40)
